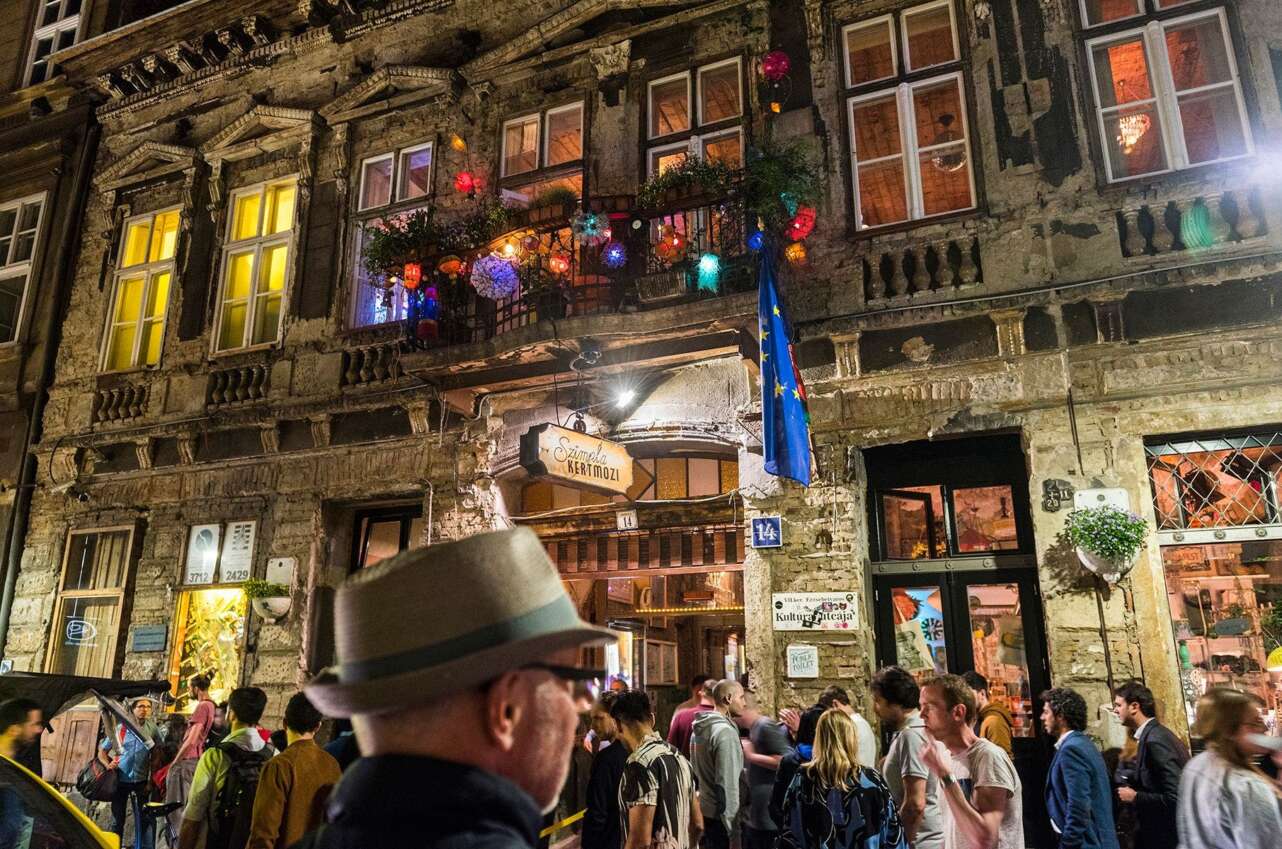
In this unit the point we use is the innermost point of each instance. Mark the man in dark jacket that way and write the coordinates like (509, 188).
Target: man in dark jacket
(1159, 761)
(601, 824)
(1077, 789)
(465, 712)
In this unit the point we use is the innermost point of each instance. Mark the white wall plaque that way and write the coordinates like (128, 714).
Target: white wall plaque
(237, 562)
(280, 570)
(803, 661)
(202, 554)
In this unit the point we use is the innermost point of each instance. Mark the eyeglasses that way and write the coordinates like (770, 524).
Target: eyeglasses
(568, 673)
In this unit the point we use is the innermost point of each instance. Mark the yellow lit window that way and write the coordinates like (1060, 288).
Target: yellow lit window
(136, 333)
(255, 269)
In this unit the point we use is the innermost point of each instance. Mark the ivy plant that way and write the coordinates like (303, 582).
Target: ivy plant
(1107, 532)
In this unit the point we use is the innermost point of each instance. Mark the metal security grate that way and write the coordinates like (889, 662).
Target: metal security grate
(1215, 482)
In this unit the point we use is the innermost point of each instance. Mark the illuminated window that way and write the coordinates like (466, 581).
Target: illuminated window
(209, 639)
(140, 293)
(1167, 95)
(384, 532)
(57, 28)
(86, 622)
(256, 266)
(19, 229)
(909, 132)
(696, 114)
(395, 183)
(653, 479)
(541, 152)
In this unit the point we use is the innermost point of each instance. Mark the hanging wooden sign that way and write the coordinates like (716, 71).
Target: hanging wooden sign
(576, 459)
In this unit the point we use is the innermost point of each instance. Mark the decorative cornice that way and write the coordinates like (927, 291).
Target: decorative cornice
(285, 126)
(402, 84)
(126, 171)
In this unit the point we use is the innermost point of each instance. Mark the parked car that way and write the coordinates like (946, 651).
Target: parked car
(34, 815)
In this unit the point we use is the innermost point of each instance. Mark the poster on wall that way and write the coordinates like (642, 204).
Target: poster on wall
(237, 562)
(202, 554)
(815, 611)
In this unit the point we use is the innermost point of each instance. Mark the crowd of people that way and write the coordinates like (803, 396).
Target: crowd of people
(465, 726)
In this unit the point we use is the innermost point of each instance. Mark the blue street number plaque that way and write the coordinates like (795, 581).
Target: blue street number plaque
(767, 532)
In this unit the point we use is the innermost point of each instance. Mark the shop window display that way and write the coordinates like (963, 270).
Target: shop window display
(210, 640)
(997, 643)
(937, 521)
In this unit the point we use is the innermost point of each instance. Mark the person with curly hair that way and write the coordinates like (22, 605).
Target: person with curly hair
(1078, 793)
(834, 802)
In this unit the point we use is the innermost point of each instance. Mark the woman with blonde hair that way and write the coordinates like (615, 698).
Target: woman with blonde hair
(1225, 801)
(834, 802)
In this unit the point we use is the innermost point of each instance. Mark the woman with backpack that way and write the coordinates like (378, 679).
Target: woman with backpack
(133, 789)
(835, 803)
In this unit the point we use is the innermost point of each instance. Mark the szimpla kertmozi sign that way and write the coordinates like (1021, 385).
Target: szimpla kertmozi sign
(576, 459)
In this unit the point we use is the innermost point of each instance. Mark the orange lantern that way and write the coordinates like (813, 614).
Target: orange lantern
(796, 252)
(558, 263)
(413, 275)
(450, 265)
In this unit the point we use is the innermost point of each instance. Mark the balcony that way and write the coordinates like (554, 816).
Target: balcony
(1190, 223)
(923, 265)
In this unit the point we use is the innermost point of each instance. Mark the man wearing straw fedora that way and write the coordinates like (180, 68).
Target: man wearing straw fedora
(456, 664)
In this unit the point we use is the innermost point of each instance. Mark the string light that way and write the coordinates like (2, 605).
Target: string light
(687, 611)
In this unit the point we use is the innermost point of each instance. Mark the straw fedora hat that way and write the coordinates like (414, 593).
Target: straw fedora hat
(440, 620)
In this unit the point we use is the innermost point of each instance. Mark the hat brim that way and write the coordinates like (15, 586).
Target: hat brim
(421, 686)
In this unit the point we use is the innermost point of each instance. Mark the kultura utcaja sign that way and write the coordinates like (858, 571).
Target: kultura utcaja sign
(576, 459)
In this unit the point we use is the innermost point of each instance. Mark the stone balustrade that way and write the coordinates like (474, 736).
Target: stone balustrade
(238, 385)
(119, 403)
(1190, 224)
(916, 266)
(372, 365)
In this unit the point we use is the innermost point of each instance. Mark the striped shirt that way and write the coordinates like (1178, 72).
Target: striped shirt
(656, 774)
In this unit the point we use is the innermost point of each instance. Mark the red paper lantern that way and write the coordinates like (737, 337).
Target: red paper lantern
(559, 263)
(775, 65)
(802, 224)
(413, 275)
(465, 182)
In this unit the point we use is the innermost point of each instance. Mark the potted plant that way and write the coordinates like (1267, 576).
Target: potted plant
(554, 204)
(269, 600)
(685, 185)
(1107, 540)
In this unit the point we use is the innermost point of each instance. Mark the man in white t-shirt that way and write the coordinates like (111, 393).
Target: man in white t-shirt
(980, 788)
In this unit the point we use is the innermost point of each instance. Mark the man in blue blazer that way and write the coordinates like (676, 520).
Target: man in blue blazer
(1078, 794)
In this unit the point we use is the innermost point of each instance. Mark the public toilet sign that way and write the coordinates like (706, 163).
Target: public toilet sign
(576, 459)
(815, 611)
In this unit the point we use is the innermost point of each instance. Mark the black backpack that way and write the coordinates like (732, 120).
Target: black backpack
(234, 804)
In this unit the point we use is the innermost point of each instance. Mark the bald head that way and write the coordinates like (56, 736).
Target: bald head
(728, 698)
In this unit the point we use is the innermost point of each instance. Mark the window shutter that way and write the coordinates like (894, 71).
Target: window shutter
(316, 272)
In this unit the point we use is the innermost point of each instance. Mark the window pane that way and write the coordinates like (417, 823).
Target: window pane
(1121, 69)
(945, 180)
(910, 522)
(383, 540)
(376, 182)
(1197, 54)
(705, 477)
(240, 276)
(930, 37)
(671, 474)
(719, 93)
(883, 197)
(661, 161)
(669, 107)
(11, 289)
(136, 237)
(129, 294)
(50, 13)
(280, 208)
(920, 646)
(274, 263)
(210, 638)
(164, 236)
(245, 216)
(521, 146)
(728, 150)
(565, 136)
(1103, 11)
(233, 327)
(416, 173)
(985, 519)
(876, 124)
(96, 561)
(1212, 125)
(8, 223)
(153, 338)
(266, 320)
(158, 297)
(66, 38)
(997, 642)
(870, 51)
(120, 348)
(937, 110)
(1134, 140)
(83, 636)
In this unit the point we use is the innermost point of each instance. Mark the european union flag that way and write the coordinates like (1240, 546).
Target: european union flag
(785, 423)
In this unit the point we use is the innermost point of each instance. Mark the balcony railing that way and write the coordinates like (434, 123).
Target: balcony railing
(1198, 223)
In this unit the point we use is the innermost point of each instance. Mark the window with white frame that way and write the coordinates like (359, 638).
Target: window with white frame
(140, 293)
(909, 131)
(256, 262)
(87, 612)
(394, 183)
(542, 151)
(57, 28)
(1167, 91)
(696, 113)
(19, 231)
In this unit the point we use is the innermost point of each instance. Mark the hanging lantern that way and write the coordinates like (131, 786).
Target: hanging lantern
(465, 182)
(510, 249)
(558, 264)
(413, 275)
(802, 224)
(450, 265)
(709, 272)
(456, 142)
(615, 255)
(795, 253)
(494, 277)
(530, 243)
(757, 240)
(591, 227)
(789, 201)
(775, 65)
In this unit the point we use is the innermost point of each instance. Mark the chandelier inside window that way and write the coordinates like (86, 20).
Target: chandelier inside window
(1130, 129)
(951, 159)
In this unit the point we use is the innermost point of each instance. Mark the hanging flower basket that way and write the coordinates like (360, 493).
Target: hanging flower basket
(1107, 540)
(269, 600)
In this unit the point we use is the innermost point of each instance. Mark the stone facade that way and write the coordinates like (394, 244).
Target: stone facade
(1068, 311)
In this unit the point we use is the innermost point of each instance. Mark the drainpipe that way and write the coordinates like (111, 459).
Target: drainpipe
(68, 244)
